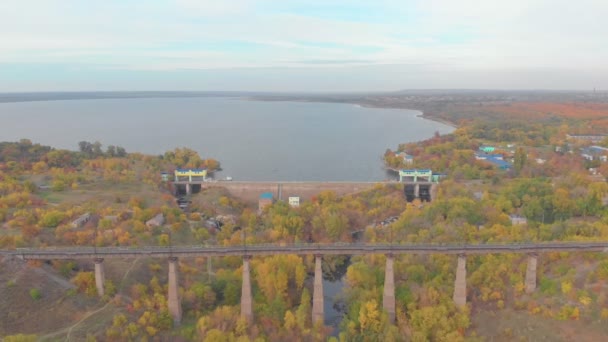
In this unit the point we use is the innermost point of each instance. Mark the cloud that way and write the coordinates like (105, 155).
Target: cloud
(210, 8)
(207, 34)
(333, 61)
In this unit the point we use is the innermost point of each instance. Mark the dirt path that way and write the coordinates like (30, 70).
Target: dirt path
(64, 283)
(87, 315)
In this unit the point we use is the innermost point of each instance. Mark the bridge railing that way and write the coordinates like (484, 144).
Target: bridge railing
(303, 246)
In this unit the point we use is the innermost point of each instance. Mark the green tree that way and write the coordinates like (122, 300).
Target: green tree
(35, 294)
(519, 160)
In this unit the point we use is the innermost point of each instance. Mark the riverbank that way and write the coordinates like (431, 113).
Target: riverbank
(421, 115)
(358, 104)
(441, 121)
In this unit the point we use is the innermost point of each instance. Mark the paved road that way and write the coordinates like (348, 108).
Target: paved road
(224, 182)
(299, 249)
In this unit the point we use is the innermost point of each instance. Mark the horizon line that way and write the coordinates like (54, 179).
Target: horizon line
(560, 90)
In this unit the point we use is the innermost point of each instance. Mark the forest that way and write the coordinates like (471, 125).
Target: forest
(43, 189)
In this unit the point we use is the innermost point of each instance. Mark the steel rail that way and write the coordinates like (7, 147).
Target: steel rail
(298, 249)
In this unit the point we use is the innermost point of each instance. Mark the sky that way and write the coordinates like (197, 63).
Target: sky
(302, 45)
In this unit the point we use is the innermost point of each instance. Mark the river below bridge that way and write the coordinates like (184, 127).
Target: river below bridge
(334, 274)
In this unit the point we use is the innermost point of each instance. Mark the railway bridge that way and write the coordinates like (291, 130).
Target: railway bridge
(173, 253)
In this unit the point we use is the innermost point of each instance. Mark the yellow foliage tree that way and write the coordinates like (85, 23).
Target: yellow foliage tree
(369, 317)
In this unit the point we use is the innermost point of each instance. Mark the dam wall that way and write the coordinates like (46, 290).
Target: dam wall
(250, 191)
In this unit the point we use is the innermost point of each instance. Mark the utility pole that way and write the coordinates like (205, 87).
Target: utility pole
(391, 235)
(170, 243)
(244, 235)
(95, 241)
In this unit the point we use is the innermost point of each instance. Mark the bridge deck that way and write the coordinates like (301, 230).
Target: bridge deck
(298, 249)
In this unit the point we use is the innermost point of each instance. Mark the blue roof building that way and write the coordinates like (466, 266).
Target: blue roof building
(495, 159)
(595, 153)
(266, 195)
(501, 164)
(266, 199)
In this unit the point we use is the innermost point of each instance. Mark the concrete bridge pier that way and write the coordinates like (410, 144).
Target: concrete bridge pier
(531, 273)
(246, 300)
(460, 285)
(188, 189)
(209, 267)
(433, 192)
(417, 191)
(388, 298)
(100, 277)
(317, 295)
(174, 304)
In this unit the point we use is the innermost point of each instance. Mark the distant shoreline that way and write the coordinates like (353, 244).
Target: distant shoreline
(421, 115)
(442, 121)
(245, 96)
(359, 104)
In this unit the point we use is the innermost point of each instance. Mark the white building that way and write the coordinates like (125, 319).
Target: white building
(407, 159)
(517, 220)
(294, 201)
(156, 221)
(81, 220)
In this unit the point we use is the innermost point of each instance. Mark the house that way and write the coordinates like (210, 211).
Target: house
(594, 138)
(407, 159)
(486, 148)
(156, 221)
(265, 200)
(595, 153)
(164, 176)
(495, 159)
(81, 220)
(517, 220)
(213, 224)
(501, 164)
(294, 201)
(486, 156)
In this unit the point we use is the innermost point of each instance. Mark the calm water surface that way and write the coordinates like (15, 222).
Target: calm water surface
(253, 140)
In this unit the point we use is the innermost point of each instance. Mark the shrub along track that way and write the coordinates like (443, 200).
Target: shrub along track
(87, 315)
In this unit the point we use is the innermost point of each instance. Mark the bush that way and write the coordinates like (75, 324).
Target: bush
(109, 288)
(52, 218)
(20, 338)
(548, 286)
(58, 185)
(35, 294)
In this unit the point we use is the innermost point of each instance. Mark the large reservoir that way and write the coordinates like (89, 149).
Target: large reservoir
(253, 140)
